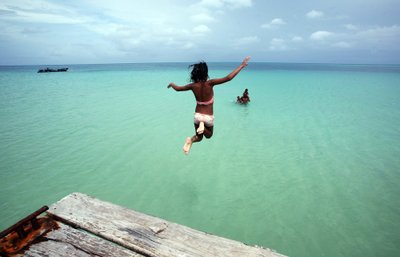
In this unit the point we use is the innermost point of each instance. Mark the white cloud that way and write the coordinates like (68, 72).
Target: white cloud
(321, 35)
(380, 37)
(212, 3)
(201, 29)
(275, 23)
(314, 14)
(226, 3)
(247, 40)
(202, 18)
(297, 39)
(129, 28)
(40, 12)
(342, 44)
(372, 39)
(351, 27)
(277, 44)
(188, 45)
(239, 3)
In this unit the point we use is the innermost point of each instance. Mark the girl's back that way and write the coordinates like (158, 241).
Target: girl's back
(203, 91)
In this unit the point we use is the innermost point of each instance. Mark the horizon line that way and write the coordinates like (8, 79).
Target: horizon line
(166, 62)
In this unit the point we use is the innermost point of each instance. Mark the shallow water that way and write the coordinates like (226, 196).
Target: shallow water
(309, 168)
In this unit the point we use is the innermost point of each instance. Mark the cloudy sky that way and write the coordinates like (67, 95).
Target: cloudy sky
(118, 31)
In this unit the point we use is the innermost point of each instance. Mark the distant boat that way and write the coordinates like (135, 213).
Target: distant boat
(52, 70)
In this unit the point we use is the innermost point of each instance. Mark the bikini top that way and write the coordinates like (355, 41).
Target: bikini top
(207, 102)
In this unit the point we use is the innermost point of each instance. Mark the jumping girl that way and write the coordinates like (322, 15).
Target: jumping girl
(203, 90)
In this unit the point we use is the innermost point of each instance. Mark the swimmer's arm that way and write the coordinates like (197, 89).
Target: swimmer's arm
(232, 74)
(180, 88)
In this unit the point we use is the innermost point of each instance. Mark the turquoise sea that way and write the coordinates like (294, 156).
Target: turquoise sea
(311, 167)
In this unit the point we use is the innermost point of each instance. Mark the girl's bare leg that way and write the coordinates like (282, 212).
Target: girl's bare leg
(200, 130)
(187, 145)
(208, 132)
(189, 141)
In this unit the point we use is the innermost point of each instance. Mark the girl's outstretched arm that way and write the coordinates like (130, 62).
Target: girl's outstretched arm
(180, 88)
(232, 74)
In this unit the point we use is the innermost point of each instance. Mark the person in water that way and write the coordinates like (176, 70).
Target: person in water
(203, 90)
(245, 96)
(244, 99)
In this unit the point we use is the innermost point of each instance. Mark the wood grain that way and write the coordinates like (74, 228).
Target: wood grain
(145, 234)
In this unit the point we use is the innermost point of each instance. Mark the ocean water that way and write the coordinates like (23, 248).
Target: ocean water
(309, 168)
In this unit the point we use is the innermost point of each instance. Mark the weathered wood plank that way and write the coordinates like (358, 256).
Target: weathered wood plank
(145, 234)
(66, 242)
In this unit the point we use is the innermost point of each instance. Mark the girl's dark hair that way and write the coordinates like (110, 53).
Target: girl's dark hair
(199, 72)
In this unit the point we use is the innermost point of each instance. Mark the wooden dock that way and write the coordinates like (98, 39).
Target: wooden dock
(80, 225)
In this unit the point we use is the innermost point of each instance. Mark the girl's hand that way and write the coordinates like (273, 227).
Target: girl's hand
(170, 85)
(245, 61)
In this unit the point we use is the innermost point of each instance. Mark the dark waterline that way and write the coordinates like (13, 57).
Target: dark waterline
(257, 66)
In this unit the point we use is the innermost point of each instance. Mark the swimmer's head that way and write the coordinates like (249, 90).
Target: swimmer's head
(199, 72)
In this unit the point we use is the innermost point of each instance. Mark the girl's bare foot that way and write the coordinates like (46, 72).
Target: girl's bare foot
(200, 129)
(187, 146)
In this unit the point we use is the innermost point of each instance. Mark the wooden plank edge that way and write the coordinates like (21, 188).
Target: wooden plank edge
(133, 247)
(76, 226)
